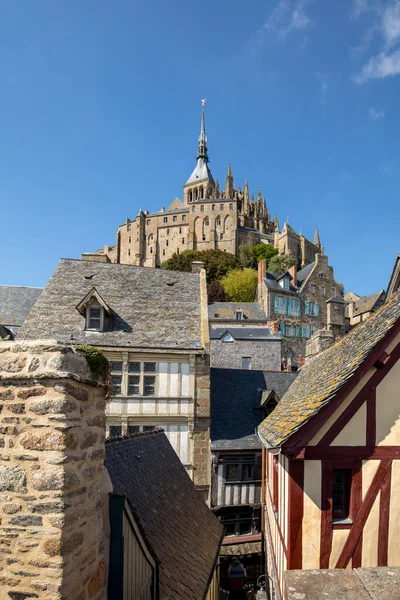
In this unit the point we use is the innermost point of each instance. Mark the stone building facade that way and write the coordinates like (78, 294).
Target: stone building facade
(152, 325)
(208, 217)
(299, 303)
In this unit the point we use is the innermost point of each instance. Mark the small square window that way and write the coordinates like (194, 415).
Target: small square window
(247, 472)
(231, 472)
(133, 429)
(133, 385)
(213, 207)
(184, 216)
(95, 318)
(231, 207)
(174, 218)
(149, 367)
(128, 227)
(148, 221)
(341, 489)
(134, 367)
(202, 208)
(149, 385)
(115, 430)
(193, 210)
(116, 381)
(165, 219)
(221, 206)
(239, 315)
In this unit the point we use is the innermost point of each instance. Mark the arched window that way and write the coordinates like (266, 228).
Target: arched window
(206, 222)
(190, 195)
(201, 192)
(196, 194)
(218, 220)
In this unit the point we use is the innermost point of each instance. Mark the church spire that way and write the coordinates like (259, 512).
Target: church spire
(202, 151)
(317, 241)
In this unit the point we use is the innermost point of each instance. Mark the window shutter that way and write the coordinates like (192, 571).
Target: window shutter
(298, 308)
(307, 308)
(281, 328)
(304, 332)
(316, 309)
(276, 303)
(285, 306)
(290, 305)
(298, 333)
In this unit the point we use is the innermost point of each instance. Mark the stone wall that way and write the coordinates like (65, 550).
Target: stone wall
(201, 430)
(53, 485)
(265, 355)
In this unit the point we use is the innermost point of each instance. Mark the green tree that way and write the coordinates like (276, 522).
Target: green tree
(281, 263)
(340, 286)
(246, 256)
(240, 286)
(216, 262)
(261, 251)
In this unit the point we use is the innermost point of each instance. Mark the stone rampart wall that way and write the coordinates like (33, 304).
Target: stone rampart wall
(53, 485)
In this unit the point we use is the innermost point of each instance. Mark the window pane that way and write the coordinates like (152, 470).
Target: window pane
(94, 323)
(149, 385)
(231, 472)
(116, 383)
(115, 430)
(247, 472)
(341, 479)
(116, 367)
(245, 527)
(134, 367)
(133, 385)
(149, 367)
(133, 429)
(230, 529)
(246, 362)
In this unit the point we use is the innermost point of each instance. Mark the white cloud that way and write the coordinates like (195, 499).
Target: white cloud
(387, 62)
(287, 16)
(376, 114)
(380, 66)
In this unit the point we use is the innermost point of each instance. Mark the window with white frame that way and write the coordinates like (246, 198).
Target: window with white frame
(246, 363)
(116, 376)
(94, 318)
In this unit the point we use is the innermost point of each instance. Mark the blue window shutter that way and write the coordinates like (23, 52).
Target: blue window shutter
(298, 308)
(316, 309)
(307, 308)
(285, 306)
(298, 331)
(303, 332)
(281, 328)
(290, 305)
(276, 303)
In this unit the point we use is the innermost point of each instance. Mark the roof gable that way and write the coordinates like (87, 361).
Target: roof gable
(93, 294)
(324, 375)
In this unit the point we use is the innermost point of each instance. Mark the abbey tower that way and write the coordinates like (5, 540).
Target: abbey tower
(208, 217)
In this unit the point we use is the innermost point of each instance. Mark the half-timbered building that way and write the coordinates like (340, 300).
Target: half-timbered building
(332, 456)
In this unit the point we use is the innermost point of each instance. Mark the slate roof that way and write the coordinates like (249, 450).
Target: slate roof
(172, 211)
(304, 273)
(227, 310)
(200, 172)
(272, 284)
(181, 530)
(324, 375)
(235, 405)
(151, 308)
(245, 333)
(368, 303)
(16, 302)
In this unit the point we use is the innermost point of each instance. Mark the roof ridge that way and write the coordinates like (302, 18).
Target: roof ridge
(128, 436)
(28, 287)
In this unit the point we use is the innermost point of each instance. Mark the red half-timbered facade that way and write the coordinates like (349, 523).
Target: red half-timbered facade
(332, 456)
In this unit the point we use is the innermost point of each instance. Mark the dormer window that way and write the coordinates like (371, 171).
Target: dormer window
(285, 283)
(239, 315)
(94, 309)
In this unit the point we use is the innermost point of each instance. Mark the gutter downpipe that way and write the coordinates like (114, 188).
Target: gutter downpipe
(266, 534)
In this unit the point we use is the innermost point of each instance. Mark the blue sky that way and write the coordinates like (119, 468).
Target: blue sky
(100, 112)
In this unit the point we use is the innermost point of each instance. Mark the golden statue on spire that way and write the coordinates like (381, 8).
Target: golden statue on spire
(203, 101)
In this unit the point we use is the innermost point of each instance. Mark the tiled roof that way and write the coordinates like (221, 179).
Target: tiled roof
(304, 273)
(368, 303)
(272, 284)
(227, 310)
(325, 374)
(16, 302)
(245, 333)
(181, 530)
(235, 405)
(151, 308)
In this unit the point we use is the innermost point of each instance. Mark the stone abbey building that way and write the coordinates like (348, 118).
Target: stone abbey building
(207, 218)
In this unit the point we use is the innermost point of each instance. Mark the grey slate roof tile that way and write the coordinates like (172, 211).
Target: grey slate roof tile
(16, 302)
(179, 527)
(252, 311)
(324, 375)
(151, 308)
(235, 405)
(245, 333)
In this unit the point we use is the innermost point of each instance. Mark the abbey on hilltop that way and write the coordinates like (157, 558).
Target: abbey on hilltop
(208, 217)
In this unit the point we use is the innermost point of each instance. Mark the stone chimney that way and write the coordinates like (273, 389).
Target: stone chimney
(293, 273)
(197, 266)
(53, 484)
(262, 270)
(320, 341)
